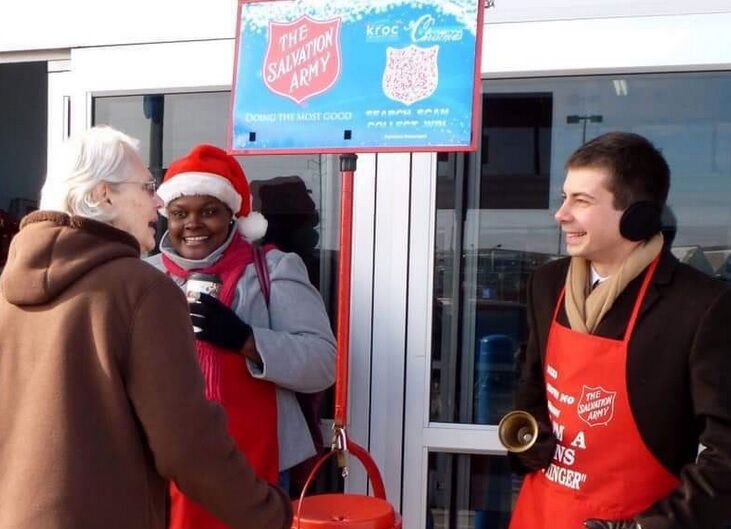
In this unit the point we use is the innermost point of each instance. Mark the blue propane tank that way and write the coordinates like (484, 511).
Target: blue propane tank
(494, 378)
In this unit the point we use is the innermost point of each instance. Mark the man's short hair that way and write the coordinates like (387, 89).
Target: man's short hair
(636, 167)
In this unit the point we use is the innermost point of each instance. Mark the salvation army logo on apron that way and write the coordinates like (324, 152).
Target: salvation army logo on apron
(411, 73)
(596, 405)
(302, 58)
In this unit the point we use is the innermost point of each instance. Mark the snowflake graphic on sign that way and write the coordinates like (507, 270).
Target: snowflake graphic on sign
(302, 57)
(411, 73)
(596, 405)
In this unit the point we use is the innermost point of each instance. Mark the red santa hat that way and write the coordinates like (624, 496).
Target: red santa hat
(208, 170)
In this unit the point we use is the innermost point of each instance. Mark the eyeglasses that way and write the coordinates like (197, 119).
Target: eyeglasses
(149, 186)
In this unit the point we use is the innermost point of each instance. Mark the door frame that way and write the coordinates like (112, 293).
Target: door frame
(204, 66)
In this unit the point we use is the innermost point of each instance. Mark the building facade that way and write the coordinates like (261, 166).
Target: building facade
(443, 242)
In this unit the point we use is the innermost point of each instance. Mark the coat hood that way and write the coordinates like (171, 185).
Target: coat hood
(53, 250)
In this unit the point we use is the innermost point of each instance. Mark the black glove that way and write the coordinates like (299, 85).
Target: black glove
(539, 455)
(218, 324)
(611, 524)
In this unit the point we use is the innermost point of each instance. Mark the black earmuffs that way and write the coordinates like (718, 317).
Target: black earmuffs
(640, 221)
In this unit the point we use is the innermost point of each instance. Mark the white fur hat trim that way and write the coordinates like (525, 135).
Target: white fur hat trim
(187, 184)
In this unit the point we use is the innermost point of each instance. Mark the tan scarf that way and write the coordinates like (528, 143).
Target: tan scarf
(586, 309)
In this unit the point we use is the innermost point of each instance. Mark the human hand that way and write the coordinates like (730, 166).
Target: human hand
(218, 324)
(539, 456)
(611, 524)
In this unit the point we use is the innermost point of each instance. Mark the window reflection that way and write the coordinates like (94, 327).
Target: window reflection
(23, 137)
(299, 194)
(515, 157)
(469, 492)
(494, 211)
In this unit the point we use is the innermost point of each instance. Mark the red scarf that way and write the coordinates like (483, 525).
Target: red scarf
(230, 267)
(250, 404)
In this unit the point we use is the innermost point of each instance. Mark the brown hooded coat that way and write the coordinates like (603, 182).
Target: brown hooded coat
(101, 395)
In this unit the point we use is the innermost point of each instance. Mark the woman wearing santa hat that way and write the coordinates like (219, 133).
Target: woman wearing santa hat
(254, 355)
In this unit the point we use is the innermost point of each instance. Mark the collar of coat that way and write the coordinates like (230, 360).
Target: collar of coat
(666, 269)
(101, 229)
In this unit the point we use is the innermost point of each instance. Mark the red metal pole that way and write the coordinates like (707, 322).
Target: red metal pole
(340, 443)
(347, 170)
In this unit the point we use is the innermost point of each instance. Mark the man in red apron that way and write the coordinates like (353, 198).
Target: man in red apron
(628, 362)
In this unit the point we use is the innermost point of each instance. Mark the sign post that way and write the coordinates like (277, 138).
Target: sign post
(346, 76)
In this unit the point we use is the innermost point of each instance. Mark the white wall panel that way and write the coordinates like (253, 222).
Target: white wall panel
(178, 65)
(691, 42)
(361, 305)
(418, 357)
(47, 24)
(59, 107)
(531, 10)
(148, 68)
(389, 317)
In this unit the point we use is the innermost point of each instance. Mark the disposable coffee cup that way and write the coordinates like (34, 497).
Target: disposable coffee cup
(202, 284)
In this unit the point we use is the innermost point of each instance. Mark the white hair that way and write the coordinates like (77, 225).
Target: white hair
(99, 154)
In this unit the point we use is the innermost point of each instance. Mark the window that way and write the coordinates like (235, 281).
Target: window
(299, 195)
(23, 137)
(494, 226)
(487, 505)
(515, 160)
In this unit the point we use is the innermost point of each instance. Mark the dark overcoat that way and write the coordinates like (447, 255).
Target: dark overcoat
(678, 379)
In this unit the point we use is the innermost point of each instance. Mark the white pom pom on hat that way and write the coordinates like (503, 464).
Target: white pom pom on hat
(253, 226)
(208, 170)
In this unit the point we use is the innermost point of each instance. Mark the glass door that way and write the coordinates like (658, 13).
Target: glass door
(173, 96)
(490, 224)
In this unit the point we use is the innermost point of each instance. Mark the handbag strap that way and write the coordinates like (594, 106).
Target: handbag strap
(262, 272)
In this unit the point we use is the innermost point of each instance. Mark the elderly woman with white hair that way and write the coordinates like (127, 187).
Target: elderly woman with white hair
(101, 396)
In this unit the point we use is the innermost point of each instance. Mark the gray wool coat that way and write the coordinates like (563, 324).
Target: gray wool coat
(293, 337)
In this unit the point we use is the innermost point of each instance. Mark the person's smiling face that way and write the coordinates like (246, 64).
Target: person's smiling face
(198, 225)
(589, 221)
(135, 203)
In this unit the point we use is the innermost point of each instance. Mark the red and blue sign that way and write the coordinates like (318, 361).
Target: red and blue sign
(356, 76)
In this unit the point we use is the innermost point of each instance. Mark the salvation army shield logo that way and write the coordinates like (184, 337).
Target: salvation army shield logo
(302, 57)
(596, 405)
(411, 73)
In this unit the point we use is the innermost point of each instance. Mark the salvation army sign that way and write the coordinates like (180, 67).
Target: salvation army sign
(300, 72)
(596, 405)
(356, 76)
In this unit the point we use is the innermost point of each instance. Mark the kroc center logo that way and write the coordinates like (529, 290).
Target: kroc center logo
(383, 31)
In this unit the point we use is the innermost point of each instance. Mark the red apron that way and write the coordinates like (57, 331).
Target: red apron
(602, 467)
(250, 404)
